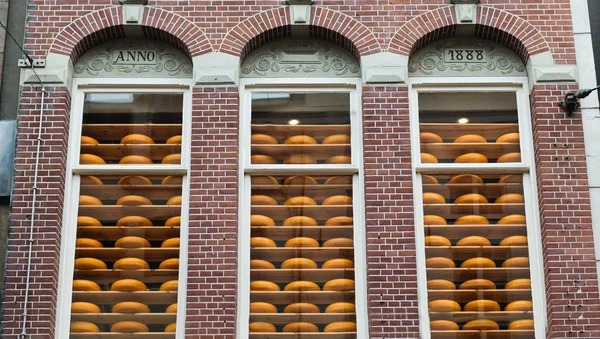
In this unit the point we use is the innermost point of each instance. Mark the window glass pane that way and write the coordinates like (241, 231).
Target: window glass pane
(469, 128)
(300, 128)
(131, 128)
(127, 254)
(302, 253)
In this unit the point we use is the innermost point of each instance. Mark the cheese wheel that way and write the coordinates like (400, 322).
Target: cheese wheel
(131, 264)
(300, 327)
(84, 307)
(134, 220)
(300, 140)
(89, 264)
(341, 326)
(261, 220)
(262, 242)
(341, 284)
(262, 159)
(340, 307)
(300, 180)
(444, 305)
(263, 139)
(466, 179)
(434, 220)
(519, 306)
(478, 284)
(262, 307)
(471, 198)
(130, 307)
(136, 139)
(433, 198)
(513, 219)
(481, 325)
(511, 179)
(259, 326)
(443, 325)
(170, 285)
(171, 308)
(84, 327)
(301, 308)
(128, 285)
(516, 262)
(428, 179)
(471, 139)
(91, 159)
(471, 158)
(439, 262)
(172, 159)
(89, 200)
(338, 263)
(301, 242)
(300, 221)
(263, 180)
(85, 286)
(173, 221)
(509, 137)
(339, 242)
(298, 263)
(129, 326)
(515, 240)
(257, 264)
(337, 200)
(132, 242)
(169, 264)
(171, 243)
(336, 139)
(437, 240)
(84, 221)
(510, 157)
(440, 284)
(517, 284)
(262, 200)
(88, 140)
(301, 285)
(427, 158)
(339, 159)
(429, 138)
(171, 328)
(133, 200)
(90, 180)
(473, 240)
(478, 262)
(472, 219)
(482, 305)
(521, 324)
(172, 180)
(339, 180)
(299, 159)
(174, 140)
(263, 285)
(87, 243)
(135, 160)
(510, 198)
(339, 221)
(175, 201)
(300, 200)
(134, 180)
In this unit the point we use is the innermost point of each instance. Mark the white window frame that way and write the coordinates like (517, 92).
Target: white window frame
(356, 169)
(74, 171)
(518, 85)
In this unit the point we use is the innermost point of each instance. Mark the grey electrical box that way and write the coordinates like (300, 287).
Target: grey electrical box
(8, 129)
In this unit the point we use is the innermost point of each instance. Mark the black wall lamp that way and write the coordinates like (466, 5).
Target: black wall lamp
(571, 101)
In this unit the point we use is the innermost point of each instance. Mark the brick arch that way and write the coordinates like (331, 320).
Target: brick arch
(99, 26)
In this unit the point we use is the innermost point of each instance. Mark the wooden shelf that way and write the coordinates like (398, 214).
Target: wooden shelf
(501, 334)
(320, 233)
(303, 335)
(463, 274)
(114, 192)
(465, 296)
(110, 276)
(451, 151)
(289, 275)
(116, 212)
(279, 212)
(111, 318)
(158, 132)
(318, 254)
(318, 192)
(111, 233)
(110, 297)
(319, 152)
(314, 297)
(114, 152)
(487, 231)
(468, 252)
(113, 335)
(450, 131)
(282, 132)
(490, 191)
(491, 211)
(315, 318)
(116, 253)
(463, 317)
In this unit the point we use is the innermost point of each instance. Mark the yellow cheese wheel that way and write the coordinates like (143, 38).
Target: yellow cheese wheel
(300, 327)
(136, 139)
(300, 221)
(171, 308)
(262, 307)
(88, 221)
(341, 284)
(513, 219)
(433, 198)
(130, 307)
(301, 308)
(300, 180)
(300, 200)
(90, 180)
(300, 139)
(172, 159)
(337, 200)
(263, 139)
(443, 325)
(521, 324)
(339, 180)
(437, 240)
(174, 140)
(516, 262)
(262, 159)
(258, 264)
(84, 327)
(262, 242)
(259, 326)
(131, 264)
(339, 242)
(169, 264)
(89, 264)
(88, 140)
(88, 243)
(339, 159)
(263, 285)
(515, 240)
(473, 240)
(298, 263)
(128, 285)
(471, 198)
(517, 284)
(134, 180)
(301, 285)
(340, 307)
(439, 262)
(261, 220)
(519, 306)
(263, 180)
(510, 198)
(511, 179)
(171, 243)
(478, 262)
(428, 179)
(510, 157)
(340, 221)
(173, 221)
(472, 219)
(481, 325)
(478, 284)
(89, 200)
(85, 286)
(91, 159)
(482, 305)
(471, 139)
(336, 139)
(427, 158)
(338, 263)
(471, 158)
(84, 307)
(171, 328)
(509, 137)
(132, 242)
(299, 159)
(429, 138)
(444, 305)
(175, 201)
(302, 242)
(134, 220)
(440, 284)
(129, 326)
(341, 326)
(133, 200)
(170, 285)
(259, 199)
(135, 160)
(466, 179)
(434, 220)
(172, 180)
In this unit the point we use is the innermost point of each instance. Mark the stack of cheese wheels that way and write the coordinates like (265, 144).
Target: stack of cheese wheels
(131, 264)
(336, 139)
(169, 286)
(301, 307)
(133, 200)
(444, 305)
(129, 326)
(300, 327)
(263, 307)
(338, 263)
(471, 158)
(440, 284)
(299, 159)
(259, 326)
(443, 325)
(135, 160)
(470, 139)
(128, 285)
(300, 140)
(301, 180)
(130, 307)
(172, 159)
(263, 139)
(341, 326)
(134, 180)
(481, 325)
(84, 327)
(482, 305)
(88, 141)
(84, 307)
(429, 138)
(91, 159)
(340, 307)
(137, 139)
(300, 200)
(174, 140)
(301, 285)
